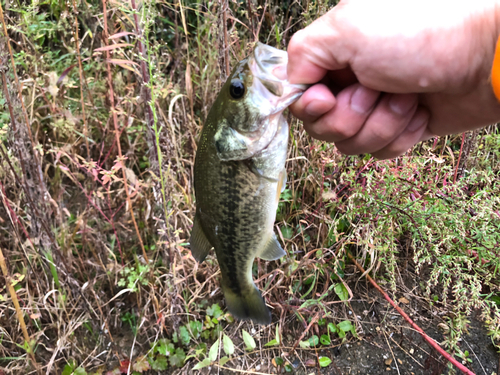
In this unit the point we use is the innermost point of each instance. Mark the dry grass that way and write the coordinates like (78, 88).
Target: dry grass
(97, 200)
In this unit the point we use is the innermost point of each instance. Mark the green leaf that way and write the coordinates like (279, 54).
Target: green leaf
(206, 362)
(279, 361)
(196, 328)
(276, 341)
(200, 349)
(184, 336)
(345, 325)
(228, 345)
(341, 292)
(272, 343)
(223, 360)
(313, 340)
(178, 358)
(305, 344)
(287, 232)
(353, 331)
(159, 364)
(68, 369)
(214, 311)
(286, 195)
(249, 341)
(332, 328)
(214, 350)
(325, 340)
(165, 347)
(495, 299)
(324, 361)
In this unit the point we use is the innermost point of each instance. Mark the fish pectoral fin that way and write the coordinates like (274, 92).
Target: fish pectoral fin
(273, 250)
(258, 171)
(200, 246)
(230, 144)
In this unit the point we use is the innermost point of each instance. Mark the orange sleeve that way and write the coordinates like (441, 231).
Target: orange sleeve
(495, 71)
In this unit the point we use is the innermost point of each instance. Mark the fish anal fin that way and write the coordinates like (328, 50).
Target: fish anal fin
(200, 246)
(273, 250)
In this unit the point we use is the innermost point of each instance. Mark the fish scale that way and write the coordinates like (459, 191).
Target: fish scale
(239, 172)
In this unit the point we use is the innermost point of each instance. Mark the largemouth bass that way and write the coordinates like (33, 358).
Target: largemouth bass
(239, 173)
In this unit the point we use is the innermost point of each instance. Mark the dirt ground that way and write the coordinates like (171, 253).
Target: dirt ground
(389, 345)
(393, 347)
(386, 343)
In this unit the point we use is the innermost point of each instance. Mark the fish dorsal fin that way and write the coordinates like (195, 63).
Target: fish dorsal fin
(273, 250)
(200, 246)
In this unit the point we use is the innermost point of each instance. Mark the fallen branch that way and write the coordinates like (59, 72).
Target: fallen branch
(431, 342)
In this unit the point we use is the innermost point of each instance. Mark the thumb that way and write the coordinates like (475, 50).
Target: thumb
(318, 48)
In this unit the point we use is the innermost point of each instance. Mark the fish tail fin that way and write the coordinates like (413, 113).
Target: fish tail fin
(248, 304)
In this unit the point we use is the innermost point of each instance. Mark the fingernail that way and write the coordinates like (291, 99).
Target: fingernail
(317, 108)
(402, 103)
(363, 99)
(419, 120)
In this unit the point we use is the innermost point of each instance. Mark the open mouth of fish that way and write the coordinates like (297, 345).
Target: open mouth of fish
(268, 65)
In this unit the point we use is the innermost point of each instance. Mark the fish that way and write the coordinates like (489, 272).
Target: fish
(239, 174)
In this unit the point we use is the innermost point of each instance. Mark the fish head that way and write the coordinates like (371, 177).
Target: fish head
(251, 103)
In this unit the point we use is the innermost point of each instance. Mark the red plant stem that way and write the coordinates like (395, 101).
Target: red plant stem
(313, 320)
(431, 342)
(117, 130)
(145, 80)
(459, 157)
(89, 200)
(80, 71)
(16, 219)
(226, 45)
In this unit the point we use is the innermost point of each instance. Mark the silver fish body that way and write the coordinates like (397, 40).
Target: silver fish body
(239, 174)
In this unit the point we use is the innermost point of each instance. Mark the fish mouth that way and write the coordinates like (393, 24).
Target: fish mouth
(268, 65)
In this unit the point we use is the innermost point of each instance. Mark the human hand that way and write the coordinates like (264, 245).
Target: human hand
(390, 73)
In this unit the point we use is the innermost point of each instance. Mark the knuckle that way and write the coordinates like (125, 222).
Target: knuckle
(344, 131)
(384, 132)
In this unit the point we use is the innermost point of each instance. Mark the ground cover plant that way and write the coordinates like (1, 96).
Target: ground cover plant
(102, 104)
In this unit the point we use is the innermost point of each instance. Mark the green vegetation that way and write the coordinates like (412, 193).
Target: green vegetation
(97, 203)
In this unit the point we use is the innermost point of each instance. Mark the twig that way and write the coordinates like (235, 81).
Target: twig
(187, 75)
(459, 156)
(431, 342)
(145, 74)
(151, 119)
(117, 130)
(80, 71)
(313, 320)
(392, 353)
(19, 313)
(226, 45)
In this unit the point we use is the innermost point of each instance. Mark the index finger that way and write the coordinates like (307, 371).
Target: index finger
(317, 49)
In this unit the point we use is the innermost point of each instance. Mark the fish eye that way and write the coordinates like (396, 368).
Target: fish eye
(237, 89)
